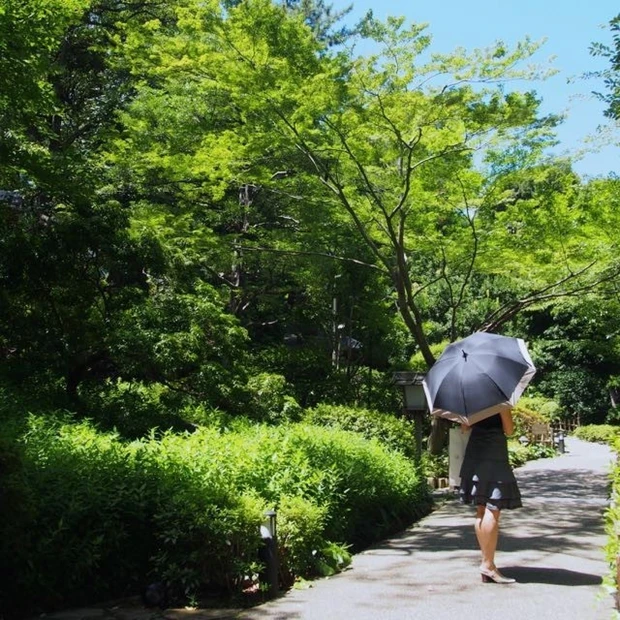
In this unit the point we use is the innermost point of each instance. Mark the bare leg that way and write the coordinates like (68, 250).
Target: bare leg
(487, 532)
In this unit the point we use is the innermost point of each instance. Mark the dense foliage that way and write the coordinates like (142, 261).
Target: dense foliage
(397, 433)
(519, 454)
(196, 192)
(612, 514)
(612, 525)
(597, 433)
(100, 517)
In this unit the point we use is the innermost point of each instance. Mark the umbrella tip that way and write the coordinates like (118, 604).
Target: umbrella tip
(465, 354)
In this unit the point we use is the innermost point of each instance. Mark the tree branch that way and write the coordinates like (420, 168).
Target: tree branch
(508, 310)
(343, 259)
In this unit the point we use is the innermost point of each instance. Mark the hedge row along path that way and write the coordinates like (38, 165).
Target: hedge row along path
(553, 547)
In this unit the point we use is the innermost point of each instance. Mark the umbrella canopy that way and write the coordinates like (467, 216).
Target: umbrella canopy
(476, 377)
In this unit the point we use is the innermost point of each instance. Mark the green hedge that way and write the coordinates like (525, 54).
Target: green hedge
(397, 433)
(367, 488)
(612, 527)
(605, 433)
(519, 454)
(93, 517)
(597, 433)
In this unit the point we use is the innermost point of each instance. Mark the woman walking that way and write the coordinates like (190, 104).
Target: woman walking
(488, 483)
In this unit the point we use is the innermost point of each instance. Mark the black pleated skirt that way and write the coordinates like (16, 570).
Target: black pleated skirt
(486, 476)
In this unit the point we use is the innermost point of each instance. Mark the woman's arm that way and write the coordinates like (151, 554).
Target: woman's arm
(507, 422)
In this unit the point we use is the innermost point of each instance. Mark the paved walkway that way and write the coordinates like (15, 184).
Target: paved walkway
(552, 546)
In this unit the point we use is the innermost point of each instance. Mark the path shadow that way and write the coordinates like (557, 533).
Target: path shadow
(563, 485)
(551, 576)
(455, 540)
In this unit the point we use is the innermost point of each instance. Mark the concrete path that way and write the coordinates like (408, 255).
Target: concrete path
(552, 546)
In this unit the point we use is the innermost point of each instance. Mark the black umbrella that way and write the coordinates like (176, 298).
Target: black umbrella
(477, 376)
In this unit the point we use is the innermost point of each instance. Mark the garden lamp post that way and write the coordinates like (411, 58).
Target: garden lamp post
(414, 402)
(270, 552)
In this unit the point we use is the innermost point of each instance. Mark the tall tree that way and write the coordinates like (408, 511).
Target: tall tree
(68, 259)
(418, 156)
(248, 139)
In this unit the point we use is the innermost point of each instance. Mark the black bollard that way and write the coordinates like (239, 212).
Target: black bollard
(561, 445)
(269, 553)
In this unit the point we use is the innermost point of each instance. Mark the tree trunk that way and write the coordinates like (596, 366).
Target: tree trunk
(438, 438)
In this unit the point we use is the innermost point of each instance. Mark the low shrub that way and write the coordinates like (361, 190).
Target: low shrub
(519, 454)
(302, 547)
(396, 433)
(86, 531)
(540, 451)
(203, 415)
(132, 408)
(271, 399)
(206, 529)
(547, 409)
(612, 529)
(435, 465)
(597, 433)
(100, 517)
(525, 416)
(367, 488)
(17, 507)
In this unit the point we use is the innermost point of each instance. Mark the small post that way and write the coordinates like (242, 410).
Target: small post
(270, 553)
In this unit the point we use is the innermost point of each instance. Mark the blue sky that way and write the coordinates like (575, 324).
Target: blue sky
(569, 28)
